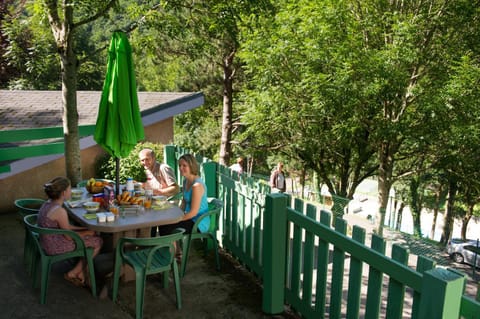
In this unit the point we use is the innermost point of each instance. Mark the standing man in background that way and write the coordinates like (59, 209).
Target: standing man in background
(277, 179)
(238, 166)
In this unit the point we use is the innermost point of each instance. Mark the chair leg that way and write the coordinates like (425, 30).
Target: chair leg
(27, 252)
(116, 279)
(165, 279)
(215, 250)
(45, 269)
(187, 242)
(176, 281)
(140, 279)
(35, 268)
(91, 271)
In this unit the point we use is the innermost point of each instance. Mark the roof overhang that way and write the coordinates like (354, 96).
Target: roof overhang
(34, 109)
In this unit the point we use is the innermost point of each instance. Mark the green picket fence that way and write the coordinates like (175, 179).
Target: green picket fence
(319, 271)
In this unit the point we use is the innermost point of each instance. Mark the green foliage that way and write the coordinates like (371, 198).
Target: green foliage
(28, 53)
(129, 166)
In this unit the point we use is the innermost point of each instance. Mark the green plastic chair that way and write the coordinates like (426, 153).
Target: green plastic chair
(177, 198)
(216, 206)
(148, 256)
(46, 261)
(27, 206)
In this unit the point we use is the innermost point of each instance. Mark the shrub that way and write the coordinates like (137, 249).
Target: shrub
(129, 166)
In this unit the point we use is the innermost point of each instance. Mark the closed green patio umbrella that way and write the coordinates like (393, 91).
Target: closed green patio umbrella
(119, 123)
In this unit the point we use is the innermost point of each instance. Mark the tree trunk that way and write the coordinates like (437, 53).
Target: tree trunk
(395, 211)
(304, 175)
(70, 116)
(399, 217)
(416, 206)
(435, 215)
(465, 220)
(225, 146)
(448, 220)
(63, 34)
(384, 184)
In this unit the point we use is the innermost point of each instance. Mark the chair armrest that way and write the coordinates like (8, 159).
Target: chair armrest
(70, 233)
(177, 196)
(213, 212)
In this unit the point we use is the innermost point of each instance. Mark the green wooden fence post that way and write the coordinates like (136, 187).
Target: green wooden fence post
(210, 178)
(273, 253)
(169, 158)
(442, 292)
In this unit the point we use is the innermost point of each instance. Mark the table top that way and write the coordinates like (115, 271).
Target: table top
(131, 220)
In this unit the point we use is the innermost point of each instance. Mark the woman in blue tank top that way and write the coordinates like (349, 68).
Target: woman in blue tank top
(194, 202)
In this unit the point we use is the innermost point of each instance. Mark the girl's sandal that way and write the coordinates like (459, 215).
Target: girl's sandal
(74, 280)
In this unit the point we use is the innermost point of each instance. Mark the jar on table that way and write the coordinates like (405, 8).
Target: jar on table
(147, 202)
(130, 186)
(97, 198)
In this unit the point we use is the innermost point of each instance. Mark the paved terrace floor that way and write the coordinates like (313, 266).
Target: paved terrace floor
(206, 293)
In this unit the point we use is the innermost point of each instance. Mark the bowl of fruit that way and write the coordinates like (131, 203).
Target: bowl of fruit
(96, 185)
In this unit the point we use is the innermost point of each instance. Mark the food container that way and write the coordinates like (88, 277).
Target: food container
(77, 194)
(91, 207)
(108, 197)
(158, 199)
(101, 217)
(110, 217)
(139, 193)
(97, 198)
(97, 186)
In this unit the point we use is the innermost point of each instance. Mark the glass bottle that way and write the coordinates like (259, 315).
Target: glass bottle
(130, 186)
(148, 194)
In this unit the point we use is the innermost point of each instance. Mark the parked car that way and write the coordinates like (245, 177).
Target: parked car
(464, 251)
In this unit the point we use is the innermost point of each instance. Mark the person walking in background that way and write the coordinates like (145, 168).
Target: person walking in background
(160, 176)
(238, 166)
(52, 214)
(277, 179)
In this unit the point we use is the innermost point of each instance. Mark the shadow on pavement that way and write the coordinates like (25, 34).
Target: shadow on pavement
(206, 293)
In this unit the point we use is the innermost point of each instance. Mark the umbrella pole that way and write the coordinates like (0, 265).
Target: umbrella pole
(117, 175)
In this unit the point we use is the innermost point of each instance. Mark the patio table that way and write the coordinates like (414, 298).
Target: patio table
(132, 224)
(132, 220)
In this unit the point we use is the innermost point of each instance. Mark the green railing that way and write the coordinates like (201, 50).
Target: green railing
(320, 271)
(26, 143)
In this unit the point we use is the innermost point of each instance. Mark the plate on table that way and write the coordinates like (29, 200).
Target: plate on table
(129, 207)
(161, 205)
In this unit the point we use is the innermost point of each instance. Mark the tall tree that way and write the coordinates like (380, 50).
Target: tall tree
(340, 83)
(306, 101)
(64, 18)
(207, 31)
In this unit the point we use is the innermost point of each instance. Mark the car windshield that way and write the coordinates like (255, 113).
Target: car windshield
(472, 248)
